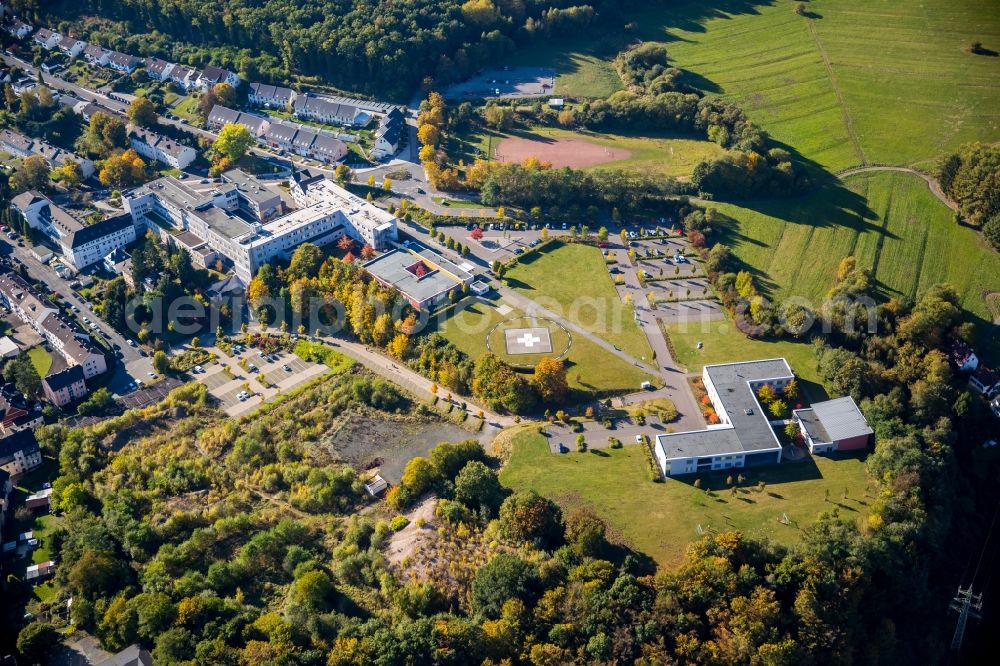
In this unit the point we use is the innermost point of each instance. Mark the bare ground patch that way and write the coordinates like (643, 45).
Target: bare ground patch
(560, 152)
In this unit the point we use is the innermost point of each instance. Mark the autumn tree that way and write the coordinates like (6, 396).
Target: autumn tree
(142, 112)
(122, 170)
(69, 175)
(233, 142)
(34, 174)
(550, 380)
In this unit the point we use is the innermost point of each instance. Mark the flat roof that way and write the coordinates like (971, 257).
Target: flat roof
(398, 269)
(748, 427)
(834, 420)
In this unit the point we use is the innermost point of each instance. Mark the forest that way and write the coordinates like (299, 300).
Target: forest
(215, 541)
(387, 48)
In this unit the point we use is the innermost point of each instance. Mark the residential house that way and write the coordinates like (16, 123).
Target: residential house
(306, 142)
(96, 55)
(158, 70)
(744, 437)
(388, 134)
(38, 572)
(985, 381)
(20, 453)
(17, 412)
(64, 387)
(39, 500)
(64, 336)
(212, 76)
(279, 135)
(71, 46)
(961, 356)
(184, 77)
(19, 29)
(133, 655)
(833, 425)
(46, 38)
(57, 157)
(221, 115)
(22, 146)
(270, 97)
(15, 143)
(322, 110)
(8, 348)
(156, 147)
(24, 84)
(123, 62)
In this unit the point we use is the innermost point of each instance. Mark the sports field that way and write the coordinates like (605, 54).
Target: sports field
(674, 156)
(874, 81)
(573, 281)
(660, 519)
(590, 368)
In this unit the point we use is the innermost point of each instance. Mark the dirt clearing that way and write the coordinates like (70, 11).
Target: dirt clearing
(560, 152)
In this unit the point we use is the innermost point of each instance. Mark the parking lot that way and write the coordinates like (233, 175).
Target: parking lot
(228, 387)
(507, 82)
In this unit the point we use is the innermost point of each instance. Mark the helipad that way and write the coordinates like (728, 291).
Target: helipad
(528, 341)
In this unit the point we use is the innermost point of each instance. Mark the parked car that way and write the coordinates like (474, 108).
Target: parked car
(286, 368)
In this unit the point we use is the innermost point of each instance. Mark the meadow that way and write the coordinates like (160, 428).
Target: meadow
(853, 81)
(660, 519)
(573, 280)
(591, 369)
(891, 222)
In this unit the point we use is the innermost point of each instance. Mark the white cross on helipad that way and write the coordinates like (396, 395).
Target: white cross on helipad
(529, 339)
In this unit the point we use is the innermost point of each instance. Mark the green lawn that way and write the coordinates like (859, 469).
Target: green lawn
(458, 203)
(590, 368)
(41, 359)
(583, 68)
(573, 281)
(660, 519)
(722, 343)
(890, 221)
(875, 80)
(188, 109)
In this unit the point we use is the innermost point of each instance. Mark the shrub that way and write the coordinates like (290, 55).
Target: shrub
(398, 523)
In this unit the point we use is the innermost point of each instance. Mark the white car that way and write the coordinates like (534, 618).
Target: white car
(198, 369)
(131, 343)
(152, 374)
(638, 439)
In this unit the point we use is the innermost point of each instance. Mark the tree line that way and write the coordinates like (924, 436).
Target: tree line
(375, 47)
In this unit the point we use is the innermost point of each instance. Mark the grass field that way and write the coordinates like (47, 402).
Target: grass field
(583, 69)
(573, 281)
(41, 359)
(665, 155)
(863, 80)
(590, 368)
(722, 343)
(660, 519)
(890, 221)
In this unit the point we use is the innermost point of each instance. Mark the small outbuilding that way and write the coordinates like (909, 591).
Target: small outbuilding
(833, 425)
(376, 485)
